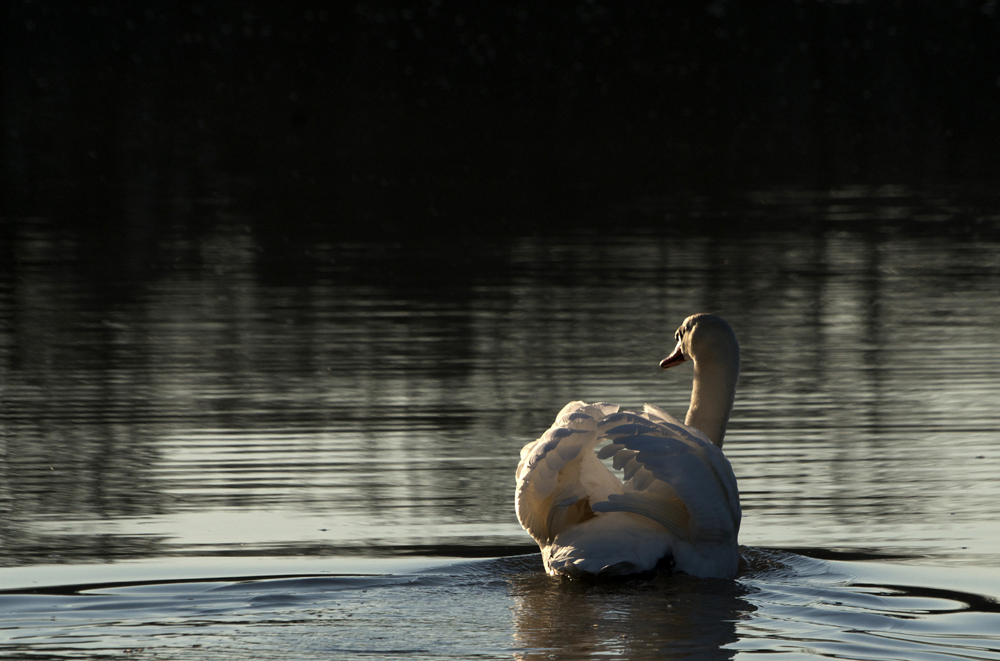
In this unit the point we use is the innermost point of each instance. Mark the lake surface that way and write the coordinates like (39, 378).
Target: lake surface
(247, 445)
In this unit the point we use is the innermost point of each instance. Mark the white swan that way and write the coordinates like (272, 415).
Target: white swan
(679, 504)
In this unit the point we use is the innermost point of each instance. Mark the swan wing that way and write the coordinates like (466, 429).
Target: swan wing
(656, 414)
(559, 475)
(674, 475)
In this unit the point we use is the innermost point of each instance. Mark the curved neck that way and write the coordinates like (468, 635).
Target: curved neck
(712, 395)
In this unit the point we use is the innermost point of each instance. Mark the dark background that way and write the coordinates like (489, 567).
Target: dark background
(402, 121)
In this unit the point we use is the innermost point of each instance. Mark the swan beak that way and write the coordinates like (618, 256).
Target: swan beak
(675, 358)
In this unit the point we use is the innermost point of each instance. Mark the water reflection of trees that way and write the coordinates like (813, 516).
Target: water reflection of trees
(392, 394)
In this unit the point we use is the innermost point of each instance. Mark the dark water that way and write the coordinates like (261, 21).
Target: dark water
(296, 451)
(783, 605)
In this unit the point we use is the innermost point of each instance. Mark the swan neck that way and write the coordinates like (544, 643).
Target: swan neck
(713, 392)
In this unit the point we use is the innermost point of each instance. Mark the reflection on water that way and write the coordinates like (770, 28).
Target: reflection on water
(642, 618)
(378, 402)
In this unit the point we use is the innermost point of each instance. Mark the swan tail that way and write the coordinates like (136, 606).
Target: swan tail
(665, 508)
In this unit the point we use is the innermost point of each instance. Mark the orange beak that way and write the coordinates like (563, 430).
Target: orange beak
(675, 358)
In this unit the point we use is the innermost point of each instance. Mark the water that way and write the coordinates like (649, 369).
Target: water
(782, 605)
(231, 447)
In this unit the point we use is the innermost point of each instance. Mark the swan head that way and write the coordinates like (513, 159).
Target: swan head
(704, 337)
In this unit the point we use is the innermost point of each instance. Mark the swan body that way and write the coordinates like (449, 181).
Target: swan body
(679, 503)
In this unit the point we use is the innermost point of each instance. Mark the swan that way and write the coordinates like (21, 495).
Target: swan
(679, 505)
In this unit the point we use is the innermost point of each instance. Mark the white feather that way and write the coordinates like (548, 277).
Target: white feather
(679, 499)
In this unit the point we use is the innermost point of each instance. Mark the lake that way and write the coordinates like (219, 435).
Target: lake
(245, 445)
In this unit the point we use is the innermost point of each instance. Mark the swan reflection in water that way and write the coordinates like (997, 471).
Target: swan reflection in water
(634, 618)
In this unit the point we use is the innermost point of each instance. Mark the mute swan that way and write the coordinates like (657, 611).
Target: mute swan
(679, 504)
